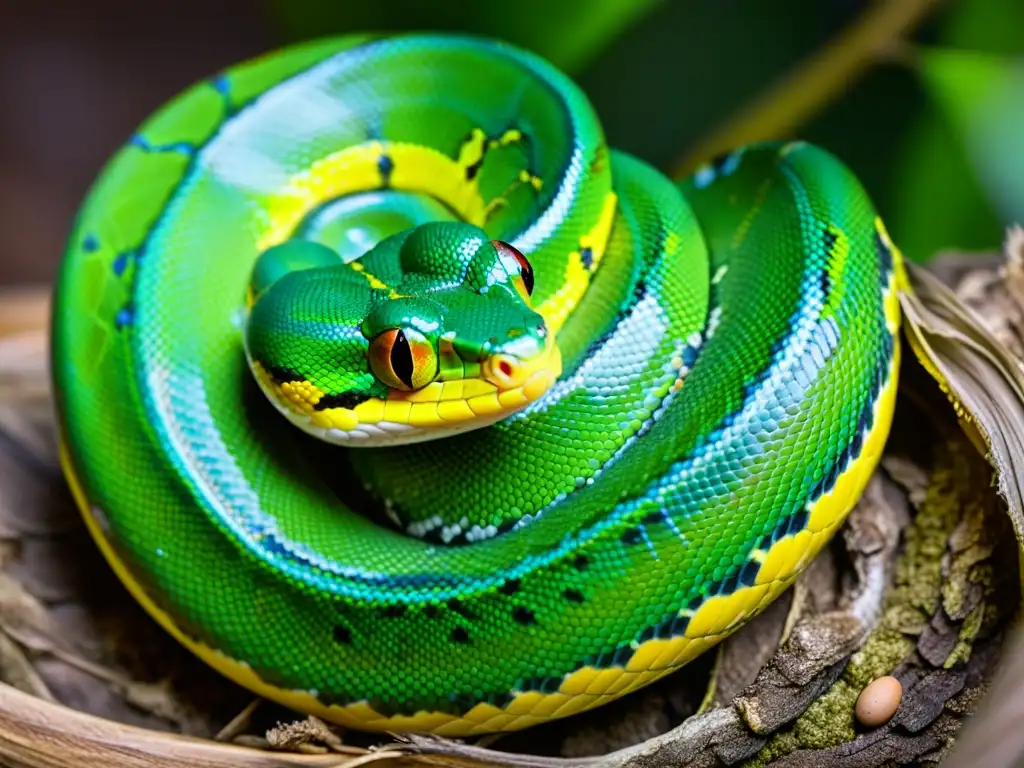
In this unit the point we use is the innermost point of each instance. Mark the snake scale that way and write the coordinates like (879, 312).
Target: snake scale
(656, 400)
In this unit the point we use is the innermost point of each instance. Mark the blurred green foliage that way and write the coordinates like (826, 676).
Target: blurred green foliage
(934, 128)
(942, 195)
(569, 33)
(982, 97)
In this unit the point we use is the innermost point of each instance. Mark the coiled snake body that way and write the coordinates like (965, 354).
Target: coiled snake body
(667, 396)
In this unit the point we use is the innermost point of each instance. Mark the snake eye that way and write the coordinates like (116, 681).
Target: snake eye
(403, 359)
(518, 266)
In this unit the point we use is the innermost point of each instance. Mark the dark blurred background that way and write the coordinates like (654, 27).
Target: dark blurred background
(941, 161)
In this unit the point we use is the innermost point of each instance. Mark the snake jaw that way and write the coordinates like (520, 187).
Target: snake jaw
(507, 384)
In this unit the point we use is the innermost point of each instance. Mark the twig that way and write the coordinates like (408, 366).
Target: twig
(819, 80)
(372, 757)
(239, 722)
(44, 735)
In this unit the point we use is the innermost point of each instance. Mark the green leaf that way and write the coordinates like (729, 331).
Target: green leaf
(982, 97)
(985, 25)
(935, 200)
(940, 195)
(569, 33)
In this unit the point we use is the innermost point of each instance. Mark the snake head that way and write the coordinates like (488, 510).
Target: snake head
(428, 334)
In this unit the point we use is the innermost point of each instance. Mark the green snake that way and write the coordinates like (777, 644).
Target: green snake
(658, 400)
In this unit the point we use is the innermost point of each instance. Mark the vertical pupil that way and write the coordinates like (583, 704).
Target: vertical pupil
(526, 271)
(401, 359)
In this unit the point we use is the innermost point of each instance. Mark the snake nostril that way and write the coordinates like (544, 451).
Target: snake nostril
(504, 371)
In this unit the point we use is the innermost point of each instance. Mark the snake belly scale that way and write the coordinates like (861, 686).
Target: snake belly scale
(657, 400)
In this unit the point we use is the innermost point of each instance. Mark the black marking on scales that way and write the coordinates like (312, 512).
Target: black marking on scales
(523, 616)
(830, 238)
(885, 255)
(342, 634)
(458, 607)
(385, 166)
(342, 400)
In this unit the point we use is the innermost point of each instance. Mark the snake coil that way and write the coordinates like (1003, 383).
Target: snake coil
(713, 368)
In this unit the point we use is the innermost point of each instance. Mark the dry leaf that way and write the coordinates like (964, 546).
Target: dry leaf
(302, 733)
(16, 669)
(26, 619)
(984, 381)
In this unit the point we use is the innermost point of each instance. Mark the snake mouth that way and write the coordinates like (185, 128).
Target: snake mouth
(506, 384)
